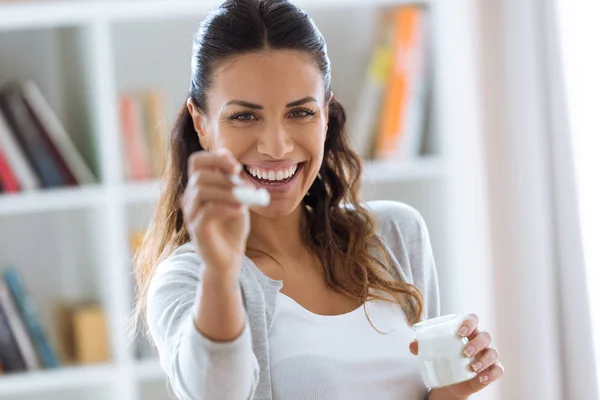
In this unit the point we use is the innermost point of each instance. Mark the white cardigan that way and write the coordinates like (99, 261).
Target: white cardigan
(200, 369)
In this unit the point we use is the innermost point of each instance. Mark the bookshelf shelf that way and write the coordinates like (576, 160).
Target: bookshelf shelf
(148, 370)
(85, 54)
(141, 192)
(25, 15)
(52, 200)
(57, 379)
(382, 171)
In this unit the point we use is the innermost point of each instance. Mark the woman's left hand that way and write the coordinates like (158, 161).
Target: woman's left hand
(485, 363)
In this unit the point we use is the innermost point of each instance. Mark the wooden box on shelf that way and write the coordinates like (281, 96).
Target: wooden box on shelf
(84, 337)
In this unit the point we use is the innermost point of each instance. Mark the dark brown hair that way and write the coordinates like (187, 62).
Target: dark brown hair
(354, 257)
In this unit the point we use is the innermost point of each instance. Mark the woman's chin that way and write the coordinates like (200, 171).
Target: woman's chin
(277, 208)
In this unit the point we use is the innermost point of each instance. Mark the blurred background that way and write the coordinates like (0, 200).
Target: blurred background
(482, 114)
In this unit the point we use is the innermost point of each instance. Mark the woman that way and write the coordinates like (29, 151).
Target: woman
(312, 296)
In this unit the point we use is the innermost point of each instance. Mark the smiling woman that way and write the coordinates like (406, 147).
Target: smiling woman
(261, 108)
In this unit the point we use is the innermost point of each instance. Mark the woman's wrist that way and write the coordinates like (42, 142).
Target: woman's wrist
(443, 394)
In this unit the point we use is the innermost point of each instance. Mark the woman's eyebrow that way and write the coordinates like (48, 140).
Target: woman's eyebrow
(245, 104)
(295, 103)
(305, 100)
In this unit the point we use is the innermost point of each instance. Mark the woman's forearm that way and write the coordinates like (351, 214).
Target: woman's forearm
(220, 313)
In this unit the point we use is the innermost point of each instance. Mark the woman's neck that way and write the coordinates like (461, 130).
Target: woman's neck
(281, 236)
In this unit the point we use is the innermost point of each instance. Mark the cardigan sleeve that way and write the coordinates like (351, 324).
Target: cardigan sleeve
(197, 367)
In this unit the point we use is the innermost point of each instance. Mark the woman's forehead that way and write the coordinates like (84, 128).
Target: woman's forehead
(273, 76)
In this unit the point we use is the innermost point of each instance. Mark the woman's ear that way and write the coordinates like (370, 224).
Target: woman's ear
(198, 119)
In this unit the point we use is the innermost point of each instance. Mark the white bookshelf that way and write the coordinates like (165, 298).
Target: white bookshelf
(62, 379)
(82, 54)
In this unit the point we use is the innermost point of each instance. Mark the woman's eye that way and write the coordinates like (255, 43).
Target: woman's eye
(243, 117)
(302, 113)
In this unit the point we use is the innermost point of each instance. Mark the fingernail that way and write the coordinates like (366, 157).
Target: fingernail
(484, 379)
(469, 351)
(477, 366)
(463, 331)
(237, 168)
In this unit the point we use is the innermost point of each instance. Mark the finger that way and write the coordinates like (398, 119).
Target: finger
(199, 196)
(469, 325)
(486, 377)
(214, 210)
(490, 375)
(222, 160)
(485, 359)
(209, 177)
(479, 343)
(211, 211)
(414, 347)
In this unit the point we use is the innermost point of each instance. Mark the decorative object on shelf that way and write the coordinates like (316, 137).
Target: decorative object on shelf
(84, 335)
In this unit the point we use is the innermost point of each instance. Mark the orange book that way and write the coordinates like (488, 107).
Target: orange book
(407, 19)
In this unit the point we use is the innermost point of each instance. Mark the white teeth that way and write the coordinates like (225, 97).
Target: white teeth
(272, 175)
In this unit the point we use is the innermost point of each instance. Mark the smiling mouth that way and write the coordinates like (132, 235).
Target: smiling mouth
(274, 182)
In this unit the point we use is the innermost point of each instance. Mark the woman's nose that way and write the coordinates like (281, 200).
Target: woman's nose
(276, 142)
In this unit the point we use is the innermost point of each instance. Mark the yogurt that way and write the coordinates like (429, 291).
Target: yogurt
(441, 352)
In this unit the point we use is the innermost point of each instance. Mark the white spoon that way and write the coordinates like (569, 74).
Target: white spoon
(246, 194)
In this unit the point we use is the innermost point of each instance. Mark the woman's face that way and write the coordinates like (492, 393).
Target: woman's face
(269, 110)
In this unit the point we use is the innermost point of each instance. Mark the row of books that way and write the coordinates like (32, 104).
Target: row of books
(395, 99)
(35, 149)
(143, 127)
(24, 345)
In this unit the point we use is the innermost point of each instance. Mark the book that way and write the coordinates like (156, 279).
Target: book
(395, 104)
(29, 313)
(410, 142)
(365, 122)
(10, 356)
(155, 129)
(57, 134)
(17, 326)
(15, 157)
(135, 153)
(29, 137)
(8, 180)
(61, 165)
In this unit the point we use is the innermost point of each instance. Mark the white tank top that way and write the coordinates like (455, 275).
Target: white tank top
(341, 357)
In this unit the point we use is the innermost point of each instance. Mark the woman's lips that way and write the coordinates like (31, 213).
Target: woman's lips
(275, 187)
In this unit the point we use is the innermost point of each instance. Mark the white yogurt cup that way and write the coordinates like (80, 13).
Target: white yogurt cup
(441, 352)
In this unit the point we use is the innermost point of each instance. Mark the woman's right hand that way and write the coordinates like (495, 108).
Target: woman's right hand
(217, 223)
